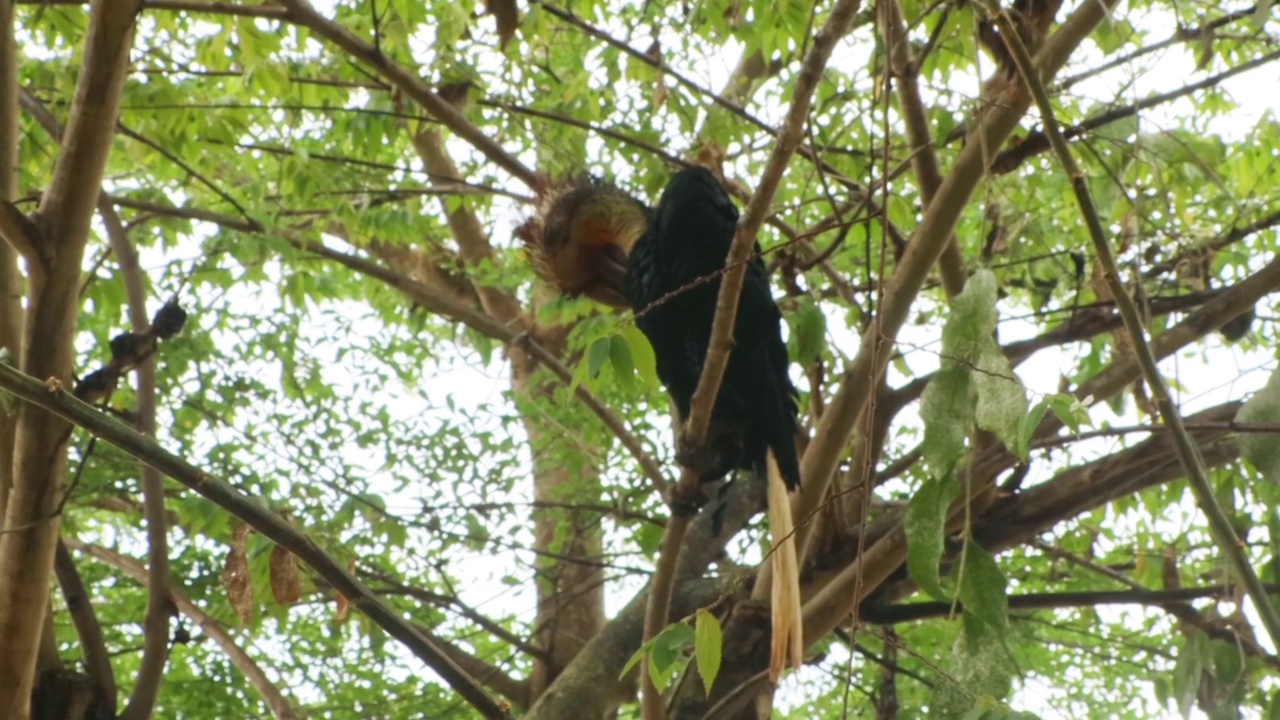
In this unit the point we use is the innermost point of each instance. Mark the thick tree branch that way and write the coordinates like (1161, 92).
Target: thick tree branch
(862, 376)
(11, 283)
(923, 159)
(591, 686)
(28, 545)
(280, 706)
(21, 233)
(465, 227)
(53, 398)
(155, 648)
(485, 673)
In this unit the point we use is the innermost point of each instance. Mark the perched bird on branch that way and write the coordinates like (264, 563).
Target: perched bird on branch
(675, 257)
(674, 281)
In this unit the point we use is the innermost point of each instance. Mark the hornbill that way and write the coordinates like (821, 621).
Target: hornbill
(674, 256)
(591, 238)
(673, 281)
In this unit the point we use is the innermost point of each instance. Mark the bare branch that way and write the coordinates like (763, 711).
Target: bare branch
(21, 233)
(923, 159)
(97, 661)
(155, 649)
(1037, 142)
(910, 612)
(190, 6)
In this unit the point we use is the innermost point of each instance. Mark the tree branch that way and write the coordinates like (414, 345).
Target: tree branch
(910, 612)
(1037, 142)
(155, 648)
(52, 397)
(97, 661)
(28, 545)
(920, 140)
(862, 376)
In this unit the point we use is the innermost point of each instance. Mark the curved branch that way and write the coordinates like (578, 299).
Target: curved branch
(862, 376)
(1219, 524)
(97, 661)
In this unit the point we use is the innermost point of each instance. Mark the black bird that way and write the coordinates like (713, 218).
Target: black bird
(683, 249)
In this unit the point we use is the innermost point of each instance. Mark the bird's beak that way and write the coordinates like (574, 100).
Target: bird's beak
(613, 277)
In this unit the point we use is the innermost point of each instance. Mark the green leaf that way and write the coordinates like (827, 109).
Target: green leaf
(620, 358)
(971, 324)
(1192, 661)
(925, 525)
(1002, 401)
(1027, 430)
(663, 653)
(982, 588)
(947, 412)
(1073, 413)
(597, 356)
(1261, 449)
(666, 658)
(808, 332)
(641, 354)
(707, 647)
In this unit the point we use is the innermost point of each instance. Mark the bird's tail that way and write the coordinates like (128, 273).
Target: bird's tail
(788, 627)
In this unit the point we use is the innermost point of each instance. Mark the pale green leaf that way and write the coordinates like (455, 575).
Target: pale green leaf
(925, 525)
(707, 647)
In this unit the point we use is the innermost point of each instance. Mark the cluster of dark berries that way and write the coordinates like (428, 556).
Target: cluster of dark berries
(127, 350)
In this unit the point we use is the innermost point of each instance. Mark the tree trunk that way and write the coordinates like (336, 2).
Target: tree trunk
(569, 544)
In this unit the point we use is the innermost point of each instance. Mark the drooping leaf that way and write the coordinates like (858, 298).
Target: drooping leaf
(925, 524)
(707, 647)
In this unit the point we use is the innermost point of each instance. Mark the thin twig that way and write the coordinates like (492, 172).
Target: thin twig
(302, 13)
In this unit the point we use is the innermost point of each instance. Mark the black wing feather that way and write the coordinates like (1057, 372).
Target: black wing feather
(689, 235)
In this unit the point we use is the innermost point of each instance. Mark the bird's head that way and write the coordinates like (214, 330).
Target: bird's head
(580, 235)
